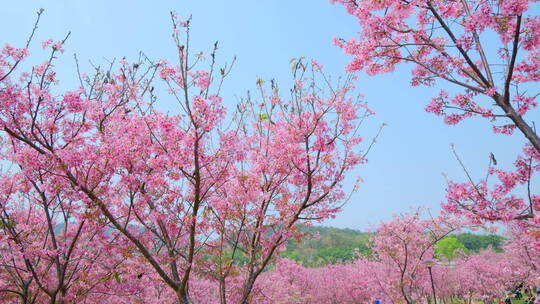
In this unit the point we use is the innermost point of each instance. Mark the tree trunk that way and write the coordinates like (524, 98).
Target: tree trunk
(222, 292)
(183, 298)
(248, 287)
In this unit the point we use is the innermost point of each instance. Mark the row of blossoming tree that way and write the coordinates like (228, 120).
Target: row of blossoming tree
(104, 198)
(399, 270)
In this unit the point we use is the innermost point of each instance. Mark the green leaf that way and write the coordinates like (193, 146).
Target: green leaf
(10, 224)
(117, 277)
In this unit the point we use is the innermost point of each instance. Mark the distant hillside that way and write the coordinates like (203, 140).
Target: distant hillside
(477, 242)
(332, 245)
(335, 245)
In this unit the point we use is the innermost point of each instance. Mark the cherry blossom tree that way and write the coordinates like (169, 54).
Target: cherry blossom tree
(51, 253)
(402, 248)
(525, 257)
(190, 193)
(488, 52)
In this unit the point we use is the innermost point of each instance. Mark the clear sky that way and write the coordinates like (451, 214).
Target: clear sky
(406, 165)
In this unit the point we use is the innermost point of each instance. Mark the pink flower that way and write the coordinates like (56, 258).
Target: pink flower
(46, 43)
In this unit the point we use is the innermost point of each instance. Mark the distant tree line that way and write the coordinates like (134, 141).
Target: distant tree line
(330, 245)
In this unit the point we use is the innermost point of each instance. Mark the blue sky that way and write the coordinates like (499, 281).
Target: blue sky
(406, 165)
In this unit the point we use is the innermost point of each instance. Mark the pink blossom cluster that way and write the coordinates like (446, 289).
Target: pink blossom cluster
(443, 41)
(501, 199)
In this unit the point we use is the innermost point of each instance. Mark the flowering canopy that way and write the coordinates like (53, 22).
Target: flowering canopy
(188, 194)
